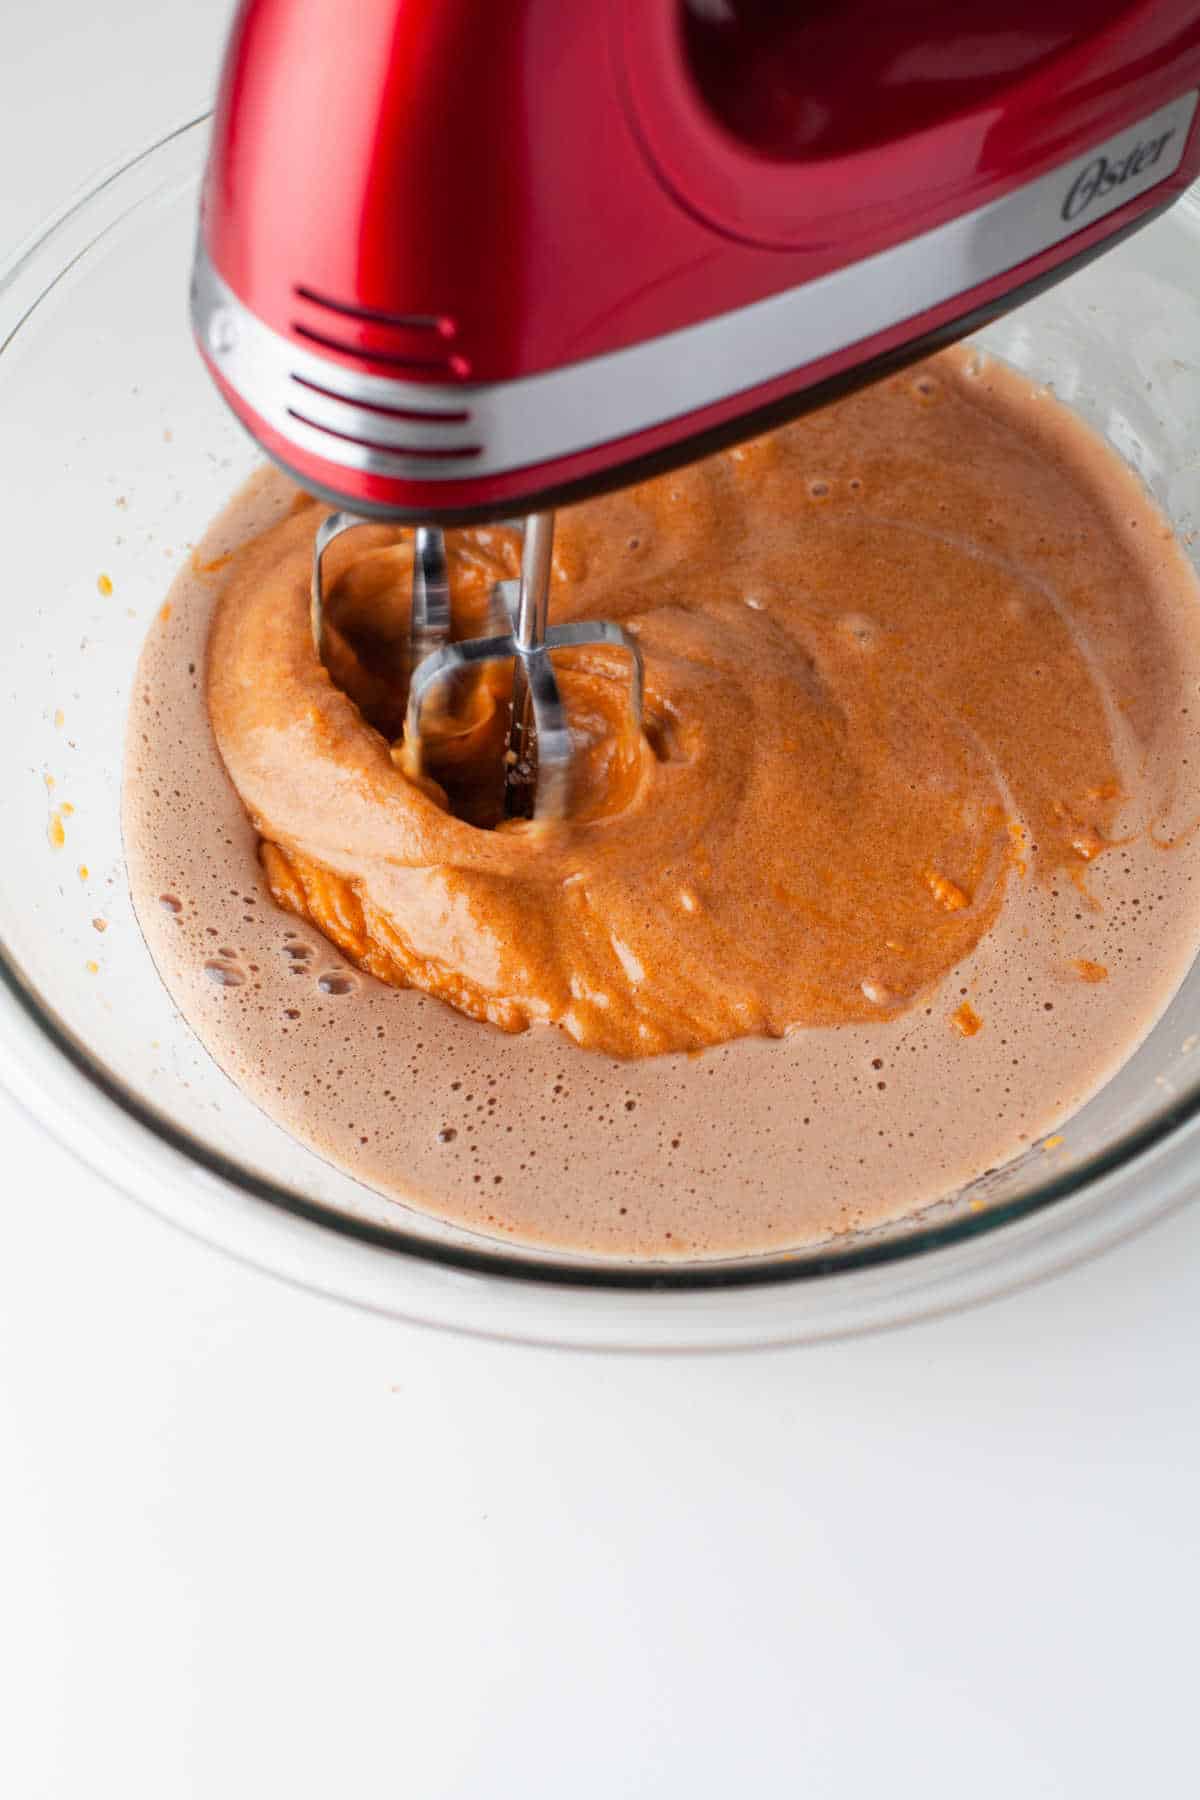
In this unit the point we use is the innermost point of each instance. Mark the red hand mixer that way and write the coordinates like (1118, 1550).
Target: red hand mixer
(460, 259)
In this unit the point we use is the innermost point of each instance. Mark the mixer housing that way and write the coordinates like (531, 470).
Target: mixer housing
(459, 259)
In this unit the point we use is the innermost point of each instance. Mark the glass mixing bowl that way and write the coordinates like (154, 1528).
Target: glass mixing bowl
(115, 452)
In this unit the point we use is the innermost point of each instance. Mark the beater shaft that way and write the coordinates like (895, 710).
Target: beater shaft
(430, 627)
(526, 761)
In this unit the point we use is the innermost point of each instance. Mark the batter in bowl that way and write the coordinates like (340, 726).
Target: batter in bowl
(914, 803)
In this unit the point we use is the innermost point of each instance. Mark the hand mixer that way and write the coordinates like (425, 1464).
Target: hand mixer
(462, 259)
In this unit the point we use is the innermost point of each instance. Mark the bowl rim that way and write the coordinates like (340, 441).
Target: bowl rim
(796, 1270)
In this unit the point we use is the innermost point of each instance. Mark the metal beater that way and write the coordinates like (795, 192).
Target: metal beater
(537, 759)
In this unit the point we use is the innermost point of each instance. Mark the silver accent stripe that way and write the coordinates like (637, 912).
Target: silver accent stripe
(542, 418)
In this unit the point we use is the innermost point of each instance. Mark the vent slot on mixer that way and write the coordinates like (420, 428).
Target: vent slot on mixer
(427, 365)
(418, 344)
(378, 424)
(402, 321)
(389, 447)
(419, 414)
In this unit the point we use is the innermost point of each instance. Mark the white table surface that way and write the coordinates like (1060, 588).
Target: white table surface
(255, 1543)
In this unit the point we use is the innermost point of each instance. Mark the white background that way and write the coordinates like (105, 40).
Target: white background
(254, 1543)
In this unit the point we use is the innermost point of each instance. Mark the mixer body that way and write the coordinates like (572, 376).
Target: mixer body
(464, 257)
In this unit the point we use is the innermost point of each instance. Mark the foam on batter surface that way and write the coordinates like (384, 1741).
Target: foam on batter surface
(920, 676)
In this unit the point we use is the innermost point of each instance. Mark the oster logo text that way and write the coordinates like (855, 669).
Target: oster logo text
(1102, 175)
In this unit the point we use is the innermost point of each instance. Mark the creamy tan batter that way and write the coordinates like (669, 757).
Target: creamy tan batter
(919, 673)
